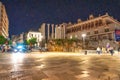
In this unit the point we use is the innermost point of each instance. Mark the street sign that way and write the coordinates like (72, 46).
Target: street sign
(117, 35)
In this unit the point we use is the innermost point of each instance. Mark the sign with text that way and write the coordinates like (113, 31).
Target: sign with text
(117, 35)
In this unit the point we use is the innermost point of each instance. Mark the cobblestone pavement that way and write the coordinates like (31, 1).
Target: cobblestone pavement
(59, 66)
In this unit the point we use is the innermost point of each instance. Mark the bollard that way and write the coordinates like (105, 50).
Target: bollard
(85, 52)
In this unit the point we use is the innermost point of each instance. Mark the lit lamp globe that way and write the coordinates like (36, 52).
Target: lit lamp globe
(83, 35)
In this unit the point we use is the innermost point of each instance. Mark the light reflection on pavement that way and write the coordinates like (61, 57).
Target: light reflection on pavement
(59, 67)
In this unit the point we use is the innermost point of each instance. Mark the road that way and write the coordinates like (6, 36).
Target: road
(59, 66)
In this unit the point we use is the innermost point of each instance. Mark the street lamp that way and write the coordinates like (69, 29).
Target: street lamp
(83, 37)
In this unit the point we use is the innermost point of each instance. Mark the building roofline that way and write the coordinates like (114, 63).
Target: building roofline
(89, 20)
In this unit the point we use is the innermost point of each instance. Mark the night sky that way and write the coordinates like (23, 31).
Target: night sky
(25, 15)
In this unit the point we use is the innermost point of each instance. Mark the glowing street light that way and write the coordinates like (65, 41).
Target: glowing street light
(83, 37)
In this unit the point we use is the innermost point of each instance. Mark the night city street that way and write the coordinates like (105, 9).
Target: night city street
(59, 39)
(59, 66)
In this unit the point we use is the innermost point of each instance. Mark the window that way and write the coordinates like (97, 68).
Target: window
(32, 35)
(79, 28)
(106, 30)
(88, 33)
(95, 32)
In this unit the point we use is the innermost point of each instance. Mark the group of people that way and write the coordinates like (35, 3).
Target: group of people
(109, 49)
(4, 48)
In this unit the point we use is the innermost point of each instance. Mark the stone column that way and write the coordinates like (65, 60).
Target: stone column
(94, 24)
(52, 31)
(56, 31)
(48, 31)
(64, 31)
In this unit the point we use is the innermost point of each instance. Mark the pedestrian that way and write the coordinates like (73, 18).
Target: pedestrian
(111, 50)
(0, 48)
(107, 47)
(103, 50)
(98, 50)
(6, 48)
(3, 48)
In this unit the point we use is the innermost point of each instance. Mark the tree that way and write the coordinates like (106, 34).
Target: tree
(2, 40)
(32, 41)
(10, 42)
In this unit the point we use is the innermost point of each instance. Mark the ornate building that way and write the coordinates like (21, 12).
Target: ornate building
(95, 28)
(4, 23)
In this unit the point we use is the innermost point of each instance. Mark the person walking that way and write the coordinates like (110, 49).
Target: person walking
(111, 50)
(107, 47)
(3, 48)
(103, 50)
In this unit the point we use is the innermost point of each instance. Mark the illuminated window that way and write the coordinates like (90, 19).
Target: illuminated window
(95, 32)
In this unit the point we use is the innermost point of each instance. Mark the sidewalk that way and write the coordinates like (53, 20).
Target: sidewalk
(89, 52)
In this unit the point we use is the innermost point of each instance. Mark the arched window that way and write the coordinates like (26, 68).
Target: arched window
(92, 25)
(96, 23)
(83, 27)
(88, 25)
(100, 22)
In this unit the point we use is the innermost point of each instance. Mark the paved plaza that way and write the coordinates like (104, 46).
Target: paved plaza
(59, 66)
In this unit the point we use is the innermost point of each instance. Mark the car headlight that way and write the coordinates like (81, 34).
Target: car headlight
(15, 50)
(19, 47)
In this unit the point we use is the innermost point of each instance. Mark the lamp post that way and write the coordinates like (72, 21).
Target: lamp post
(83, 38)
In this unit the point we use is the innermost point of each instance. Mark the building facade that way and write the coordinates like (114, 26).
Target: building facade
(98, 28)
(4, 22)
(37, 35)
(101, 28)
